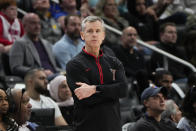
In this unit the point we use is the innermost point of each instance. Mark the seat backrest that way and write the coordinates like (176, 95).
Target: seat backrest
(43, 117)
(128, 126)
(5, 63)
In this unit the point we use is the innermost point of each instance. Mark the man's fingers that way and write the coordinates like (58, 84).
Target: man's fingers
(79, 83)
(78, 94)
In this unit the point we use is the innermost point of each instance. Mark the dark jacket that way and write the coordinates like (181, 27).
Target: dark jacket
(100, 112)
(24, 56)
(178, 70)
(132, 62)
(147, 123)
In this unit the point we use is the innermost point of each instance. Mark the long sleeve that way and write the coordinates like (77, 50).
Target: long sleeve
(2, 39)
(17, 56)
(110, 90)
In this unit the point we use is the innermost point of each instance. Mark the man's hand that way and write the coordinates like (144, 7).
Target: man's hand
(84, 90)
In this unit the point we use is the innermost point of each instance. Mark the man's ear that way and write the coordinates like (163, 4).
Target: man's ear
(82, 35)
(145, 102)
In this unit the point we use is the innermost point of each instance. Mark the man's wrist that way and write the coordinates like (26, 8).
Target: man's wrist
(94, 88)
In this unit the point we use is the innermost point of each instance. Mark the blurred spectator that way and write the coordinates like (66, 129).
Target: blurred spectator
(127, 53)
(21, 109)
(67, 7)
(60, 92)
(188, 122)
(154, 103)
(51, 30)
(108, 11)
(168, 37)
(172, 112)
(85, 10)
(36, 85)
(7, 123)
(32, 51)
(145, 23)
(70, 44)
(11, 28)
(159, 7)
(164, 78)
(190, 46)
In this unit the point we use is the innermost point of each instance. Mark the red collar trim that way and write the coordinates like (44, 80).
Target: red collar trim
(100, 53)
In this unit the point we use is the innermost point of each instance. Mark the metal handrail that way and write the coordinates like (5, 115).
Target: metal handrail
(179, 60)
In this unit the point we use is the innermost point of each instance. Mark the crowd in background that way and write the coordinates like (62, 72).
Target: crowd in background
(47, 36)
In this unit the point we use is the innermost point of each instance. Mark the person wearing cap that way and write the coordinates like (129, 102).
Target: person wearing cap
(153, 99)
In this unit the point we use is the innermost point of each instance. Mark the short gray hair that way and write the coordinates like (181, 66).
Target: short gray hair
(170, 109)
(91, 19)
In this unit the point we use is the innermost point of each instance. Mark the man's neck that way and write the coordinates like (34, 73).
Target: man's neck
(155, 115)
(74, 39)
(93, 51)
(33, 95)
(34, 38)
(131, 50)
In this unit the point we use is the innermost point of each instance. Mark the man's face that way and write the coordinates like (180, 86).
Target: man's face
(176, 117)
(70, 4)
(11, 12)
(110, 9)
(3, 102)
(129, 37)
(155, 104)
(93, 34)
(40, 82)
(32, 25)
(64, 91)
(169, 35)
(25, 109)
(167, 82)
(41, 4)
(140, 7)
(73, 27)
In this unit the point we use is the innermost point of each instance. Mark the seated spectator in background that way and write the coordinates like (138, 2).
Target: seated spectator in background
(51, 30)
(127, 53)
(67, 7)
(188, 122)
(145, 23)
(32, 51)
(60, 92)
(172, 112)
(70, 44)
(168, 37)
(7, 123)
(108, 11)
(154, 103)
(158, 7)
(21, 109)
(36, 85)
(11, 28)
(164, 78)
(190, 46)
(85, 10)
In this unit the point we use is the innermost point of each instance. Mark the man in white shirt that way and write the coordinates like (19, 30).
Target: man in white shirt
(36, 85)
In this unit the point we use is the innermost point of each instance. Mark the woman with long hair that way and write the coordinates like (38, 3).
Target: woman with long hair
(6, 122)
